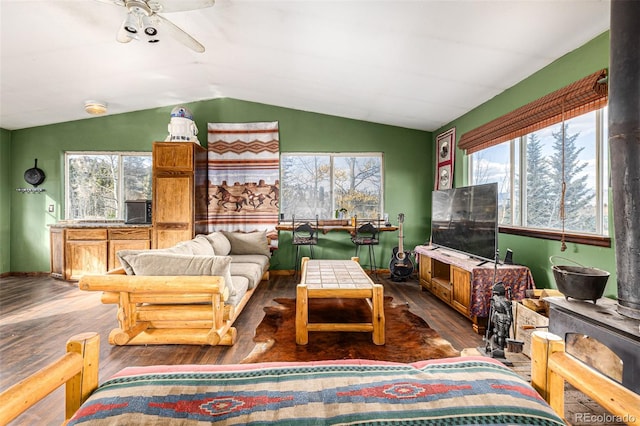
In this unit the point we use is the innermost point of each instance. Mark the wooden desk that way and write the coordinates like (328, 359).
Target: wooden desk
(325, 279)
(330, 226)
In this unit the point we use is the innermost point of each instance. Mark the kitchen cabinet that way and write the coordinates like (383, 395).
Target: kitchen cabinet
(78, 249)
(126, 239)
(85, 252)
(180, 195)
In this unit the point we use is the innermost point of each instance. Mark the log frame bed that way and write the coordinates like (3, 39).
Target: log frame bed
(551, 366)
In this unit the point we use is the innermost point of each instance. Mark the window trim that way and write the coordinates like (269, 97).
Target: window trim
(121, 154)
(569, 237)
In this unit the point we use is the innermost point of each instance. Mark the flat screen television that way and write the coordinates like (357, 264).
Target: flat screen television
(466, 220)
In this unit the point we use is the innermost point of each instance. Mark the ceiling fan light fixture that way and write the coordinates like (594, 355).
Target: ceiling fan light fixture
(95, 107)
(131, 23)
(149, 29)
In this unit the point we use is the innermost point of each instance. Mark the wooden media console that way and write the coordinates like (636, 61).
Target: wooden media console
(466, 284)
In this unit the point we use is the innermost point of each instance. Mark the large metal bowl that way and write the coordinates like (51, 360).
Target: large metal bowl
(579, 282)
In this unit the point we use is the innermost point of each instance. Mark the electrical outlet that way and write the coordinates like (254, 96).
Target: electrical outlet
(50, 208)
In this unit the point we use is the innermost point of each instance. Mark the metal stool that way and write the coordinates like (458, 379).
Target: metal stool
(366, 234)
(304, 234)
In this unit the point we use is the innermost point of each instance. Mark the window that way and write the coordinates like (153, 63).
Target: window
(321, 184)
(529, 172)
(98, 183)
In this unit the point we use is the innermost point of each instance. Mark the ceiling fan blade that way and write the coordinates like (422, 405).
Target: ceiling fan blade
(179, 34)
(112, 2)
(176, 5)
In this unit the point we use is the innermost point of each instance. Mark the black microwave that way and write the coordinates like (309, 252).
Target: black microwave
(137, 211)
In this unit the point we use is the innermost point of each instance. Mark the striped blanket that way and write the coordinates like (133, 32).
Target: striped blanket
(452, 391)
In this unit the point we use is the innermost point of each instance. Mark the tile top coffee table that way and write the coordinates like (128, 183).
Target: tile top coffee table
(325, 279)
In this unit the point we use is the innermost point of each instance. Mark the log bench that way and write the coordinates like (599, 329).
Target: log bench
(167, 309)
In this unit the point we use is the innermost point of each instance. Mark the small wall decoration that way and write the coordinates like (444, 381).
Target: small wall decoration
(445, 152)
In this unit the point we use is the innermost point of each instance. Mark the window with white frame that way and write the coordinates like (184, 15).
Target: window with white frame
(98, 183)
(530, 171)
(322, 184)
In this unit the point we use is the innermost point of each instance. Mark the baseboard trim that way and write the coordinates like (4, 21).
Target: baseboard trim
(24, 274)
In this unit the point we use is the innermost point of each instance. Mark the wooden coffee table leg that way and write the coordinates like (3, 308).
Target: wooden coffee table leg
(302, 314)
(377, 315)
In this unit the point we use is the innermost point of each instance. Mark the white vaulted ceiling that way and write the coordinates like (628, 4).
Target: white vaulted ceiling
(414, 64)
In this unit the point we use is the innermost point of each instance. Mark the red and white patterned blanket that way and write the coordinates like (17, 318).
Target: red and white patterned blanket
(453, 391)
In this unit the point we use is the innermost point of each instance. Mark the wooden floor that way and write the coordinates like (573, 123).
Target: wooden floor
(38, 315)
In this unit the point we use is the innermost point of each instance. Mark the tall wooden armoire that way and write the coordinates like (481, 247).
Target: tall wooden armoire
(180, 194)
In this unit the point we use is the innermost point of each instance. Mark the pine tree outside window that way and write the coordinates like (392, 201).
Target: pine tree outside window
(528, 171)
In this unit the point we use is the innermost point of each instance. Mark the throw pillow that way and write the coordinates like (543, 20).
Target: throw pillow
(201, 245)
(181, 248)
(248, 242)
(220, 243)
(123, 255)
(194, 246)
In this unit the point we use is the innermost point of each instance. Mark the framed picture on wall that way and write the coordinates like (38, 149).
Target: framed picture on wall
(445, 152)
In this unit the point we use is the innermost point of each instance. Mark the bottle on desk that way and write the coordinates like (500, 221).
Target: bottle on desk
(353, 221)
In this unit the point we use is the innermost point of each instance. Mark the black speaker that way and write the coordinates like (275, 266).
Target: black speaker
(508, 258)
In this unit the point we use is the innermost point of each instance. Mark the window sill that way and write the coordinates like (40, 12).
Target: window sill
(587, 239)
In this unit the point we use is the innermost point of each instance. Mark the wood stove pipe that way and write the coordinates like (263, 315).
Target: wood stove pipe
(624, 146)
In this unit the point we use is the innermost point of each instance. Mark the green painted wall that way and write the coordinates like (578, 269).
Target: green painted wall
(407, 156)
(5, 201)
(535, 252)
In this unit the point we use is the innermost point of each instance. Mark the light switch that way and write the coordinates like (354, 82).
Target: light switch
(50, 208)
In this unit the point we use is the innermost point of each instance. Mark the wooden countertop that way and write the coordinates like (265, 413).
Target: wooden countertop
(97, 224)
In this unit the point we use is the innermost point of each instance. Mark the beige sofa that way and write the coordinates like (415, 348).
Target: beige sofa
(187, 294)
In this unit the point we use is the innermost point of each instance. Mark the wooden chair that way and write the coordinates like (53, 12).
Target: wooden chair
(366, 234)
(305, 233)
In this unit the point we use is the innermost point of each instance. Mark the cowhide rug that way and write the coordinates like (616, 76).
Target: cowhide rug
(408, 337)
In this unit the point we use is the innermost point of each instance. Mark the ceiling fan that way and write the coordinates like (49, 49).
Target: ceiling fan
(143, 20)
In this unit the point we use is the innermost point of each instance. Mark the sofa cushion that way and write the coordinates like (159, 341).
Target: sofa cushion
(220, 243)
(198, 246)
(248, 242)
(201, 245)
(159, 262)
(259, 259)
(251, 271)
(241, 285)
(181, 248)
(123, 255)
